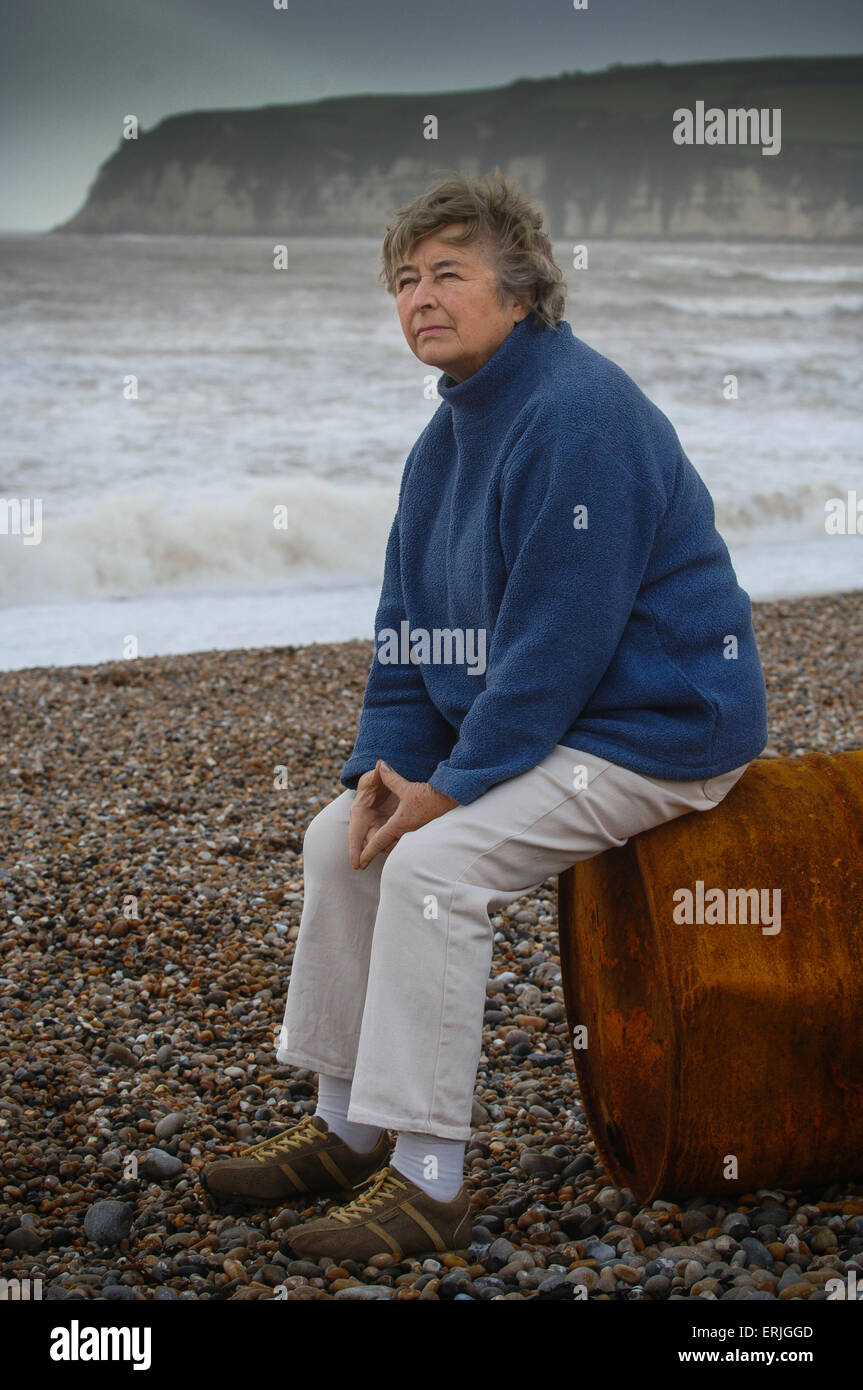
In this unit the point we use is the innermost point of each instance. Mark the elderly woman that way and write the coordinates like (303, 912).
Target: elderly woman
(566, 659)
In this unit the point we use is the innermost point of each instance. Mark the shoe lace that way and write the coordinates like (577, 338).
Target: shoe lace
(383, 1184)
(288, 1139)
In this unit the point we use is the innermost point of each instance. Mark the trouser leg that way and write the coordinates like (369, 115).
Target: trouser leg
(327, 988)
(421, 1034)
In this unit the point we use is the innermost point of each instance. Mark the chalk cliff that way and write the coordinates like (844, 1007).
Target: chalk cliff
(595, 150)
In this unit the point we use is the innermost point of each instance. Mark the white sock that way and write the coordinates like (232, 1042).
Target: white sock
(334, 1094)
(436, 1165)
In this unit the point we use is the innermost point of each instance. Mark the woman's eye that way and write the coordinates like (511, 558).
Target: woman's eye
(401, 283)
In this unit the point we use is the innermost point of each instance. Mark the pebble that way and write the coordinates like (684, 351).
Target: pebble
(657, 1286)
(160, 1165)
(691, 1222)
(757, 1252)
(108, 1222)
(598, 1250)
(735, 1224)
(540, 1163)
(363, 1293)
(610, 1199)
(24, 1240)
(194, 829)
(500, 1252)
(822, 1240)
(170, 1125)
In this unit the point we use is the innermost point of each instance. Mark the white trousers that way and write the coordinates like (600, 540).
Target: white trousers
(388, 983)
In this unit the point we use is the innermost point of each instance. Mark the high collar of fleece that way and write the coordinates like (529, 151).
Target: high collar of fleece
(508, 371)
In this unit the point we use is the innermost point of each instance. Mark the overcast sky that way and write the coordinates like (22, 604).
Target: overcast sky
(70, 70)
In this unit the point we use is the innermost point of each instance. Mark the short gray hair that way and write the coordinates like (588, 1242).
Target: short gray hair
(502, 221)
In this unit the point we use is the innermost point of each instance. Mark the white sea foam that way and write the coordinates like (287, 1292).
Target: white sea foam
(172, 540)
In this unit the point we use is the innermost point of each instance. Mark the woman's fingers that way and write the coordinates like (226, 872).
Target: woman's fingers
(382, 839)
(362, 820)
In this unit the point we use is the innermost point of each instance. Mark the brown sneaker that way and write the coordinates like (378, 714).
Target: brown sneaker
(389, 1215)
(305, 1158)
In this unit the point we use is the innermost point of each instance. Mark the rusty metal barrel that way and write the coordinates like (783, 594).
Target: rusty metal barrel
(717, 1032)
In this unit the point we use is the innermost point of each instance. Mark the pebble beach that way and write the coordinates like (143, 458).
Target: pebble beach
(152, 883)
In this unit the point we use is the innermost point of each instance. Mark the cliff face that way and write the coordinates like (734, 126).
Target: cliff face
(596, 151)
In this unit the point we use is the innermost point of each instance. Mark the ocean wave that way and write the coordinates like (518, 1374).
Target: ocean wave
(129, 544)
(803, 503)
(753, 308)
(840, 278)
(145, 541)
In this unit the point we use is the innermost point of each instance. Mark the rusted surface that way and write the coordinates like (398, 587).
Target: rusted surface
(708, 1040)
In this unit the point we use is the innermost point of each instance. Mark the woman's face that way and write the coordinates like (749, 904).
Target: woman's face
(452, 291)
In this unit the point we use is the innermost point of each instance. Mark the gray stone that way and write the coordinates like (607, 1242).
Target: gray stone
(693, 1221)
(768, 1216)
(108, 1222)
(481, 1237)
(478, 1114)
(646, 1227)
(757, 1253)
(160, 1165)
(551, 1282)
(529, 998)
(170, 1125)
(609, 1199)
(735, 1224)
(488, 1286)
(582, 1164)
(595, 1249)
(657, 1286)
(499, 1253)
(365, 1293)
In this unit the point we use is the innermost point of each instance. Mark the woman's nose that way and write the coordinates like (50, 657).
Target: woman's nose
(423, 292)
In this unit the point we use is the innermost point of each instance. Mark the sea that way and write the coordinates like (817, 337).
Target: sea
(202, 451)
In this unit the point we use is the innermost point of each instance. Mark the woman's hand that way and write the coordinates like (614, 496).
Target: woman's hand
(385, 806)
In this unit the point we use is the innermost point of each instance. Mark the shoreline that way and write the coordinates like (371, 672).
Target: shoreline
(767, 610)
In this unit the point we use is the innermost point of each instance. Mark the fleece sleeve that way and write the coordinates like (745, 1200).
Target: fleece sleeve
(577, 525)
(398, 721)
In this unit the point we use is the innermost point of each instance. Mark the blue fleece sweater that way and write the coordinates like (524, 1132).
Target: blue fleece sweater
(554, 575)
